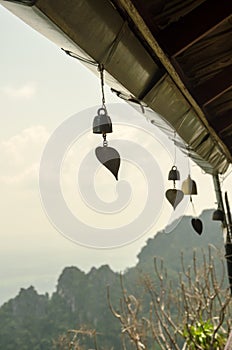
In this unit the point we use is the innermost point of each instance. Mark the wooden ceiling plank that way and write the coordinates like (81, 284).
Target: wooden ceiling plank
(214, 87)
(178, 36)
(223, 122)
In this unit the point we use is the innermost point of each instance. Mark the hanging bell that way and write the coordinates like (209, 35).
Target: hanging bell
(174, 174)
(102, 123)
(218, 215)
(189, 186)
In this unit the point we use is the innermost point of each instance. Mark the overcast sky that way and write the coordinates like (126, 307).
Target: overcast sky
(41, 88)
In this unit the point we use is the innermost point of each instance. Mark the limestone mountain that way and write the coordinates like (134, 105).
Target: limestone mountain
(33, 321)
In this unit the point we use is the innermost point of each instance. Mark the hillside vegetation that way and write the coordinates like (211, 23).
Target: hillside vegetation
(33, 321)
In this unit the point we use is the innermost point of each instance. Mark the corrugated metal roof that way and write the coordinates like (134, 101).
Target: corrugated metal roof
(175, 56)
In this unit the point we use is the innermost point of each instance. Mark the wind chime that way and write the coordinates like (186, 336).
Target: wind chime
(173, 195)
(102, 124)
(189, 187)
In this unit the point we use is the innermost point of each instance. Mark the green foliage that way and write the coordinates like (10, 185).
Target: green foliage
(202, 334)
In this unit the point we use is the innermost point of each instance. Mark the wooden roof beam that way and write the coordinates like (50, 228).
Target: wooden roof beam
(178, 36)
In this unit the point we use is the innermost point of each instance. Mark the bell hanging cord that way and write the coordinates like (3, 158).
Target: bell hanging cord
(101, 70)
(174, 139)
(193, 207)
(188, 155)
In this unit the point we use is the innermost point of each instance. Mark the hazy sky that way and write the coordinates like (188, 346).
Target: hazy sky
(40, 88)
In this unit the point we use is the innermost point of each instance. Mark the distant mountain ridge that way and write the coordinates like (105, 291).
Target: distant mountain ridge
(32, 321)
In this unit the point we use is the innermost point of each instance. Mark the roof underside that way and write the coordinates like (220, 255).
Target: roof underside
(174, 56)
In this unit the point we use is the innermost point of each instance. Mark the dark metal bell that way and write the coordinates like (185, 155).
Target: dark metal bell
(218, 215)
(174, 174)
(102, 123)
(189, 186)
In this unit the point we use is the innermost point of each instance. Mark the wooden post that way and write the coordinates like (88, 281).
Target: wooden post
(227, 223)
(228, 243)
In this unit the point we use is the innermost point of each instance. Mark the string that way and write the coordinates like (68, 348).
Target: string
(101, 70)
(174, 147)
(94, 63)
(82, 59)
(193, 207)
(188, 160)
